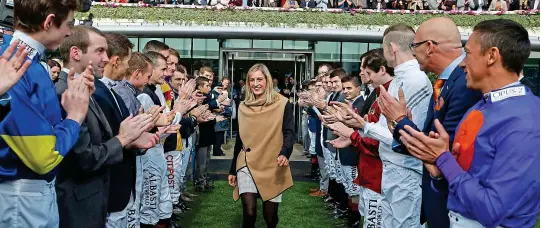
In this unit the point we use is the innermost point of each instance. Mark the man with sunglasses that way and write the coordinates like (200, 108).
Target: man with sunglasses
(438, 49)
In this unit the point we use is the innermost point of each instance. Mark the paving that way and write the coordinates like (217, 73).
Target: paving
(228, 150)
(219, 165)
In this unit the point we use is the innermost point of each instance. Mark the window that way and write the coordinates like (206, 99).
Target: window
(183, 46)
(144, 41)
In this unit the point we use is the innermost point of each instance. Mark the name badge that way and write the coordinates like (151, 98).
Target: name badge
(32, 52)
(507, 93)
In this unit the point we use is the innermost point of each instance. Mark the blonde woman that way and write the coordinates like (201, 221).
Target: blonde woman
(260, 166)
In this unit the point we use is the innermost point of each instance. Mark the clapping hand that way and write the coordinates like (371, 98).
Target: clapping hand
(341, 142)
(132, 127)
(339, 128)
(88, 75)
(12, 69)
(165, 119)
(198, 97)
(187, 89)
(227, 102)
(392, 108)
(171, 129)
(206, 117)
(427, 148)
(155, 112)
(199, 110)
(221, 98)
(182, 106)
(145, 141)
(76, 97)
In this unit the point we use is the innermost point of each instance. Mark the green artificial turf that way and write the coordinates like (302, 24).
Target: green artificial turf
(216, 209)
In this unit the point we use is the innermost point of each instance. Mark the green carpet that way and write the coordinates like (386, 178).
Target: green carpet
(217, 209)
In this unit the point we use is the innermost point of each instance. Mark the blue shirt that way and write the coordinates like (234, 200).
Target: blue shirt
(495, 178)
(449, 69)
(34, 139)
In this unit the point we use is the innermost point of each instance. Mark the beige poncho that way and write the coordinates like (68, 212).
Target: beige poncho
(260, 128)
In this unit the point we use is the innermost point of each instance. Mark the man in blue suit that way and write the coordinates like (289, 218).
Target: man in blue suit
(438, 48)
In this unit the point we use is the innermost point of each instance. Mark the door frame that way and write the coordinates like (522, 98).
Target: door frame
(227, 54)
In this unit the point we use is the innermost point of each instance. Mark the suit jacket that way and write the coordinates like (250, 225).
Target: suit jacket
(457, 99)
(328, 134)
(122, 175)
(348, 156)
(82, 184)
(62, 83)
(207, 134)
(335, 97)
(368, 103)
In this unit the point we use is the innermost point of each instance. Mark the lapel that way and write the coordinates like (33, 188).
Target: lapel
(95, 108)
(100, 87)
(429, 116)
(121, 105)
(445, 92)
(458, 72)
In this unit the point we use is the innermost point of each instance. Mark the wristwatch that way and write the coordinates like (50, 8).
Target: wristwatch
(394, 123)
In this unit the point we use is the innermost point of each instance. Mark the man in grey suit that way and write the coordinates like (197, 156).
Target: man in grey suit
(83, 178)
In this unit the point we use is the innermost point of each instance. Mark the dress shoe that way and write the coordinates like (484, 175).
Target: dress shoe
(318, 194)
(184, 207)
(177, 210)
(187, 194)
(312, 190)
(328, 199)
(185, 198)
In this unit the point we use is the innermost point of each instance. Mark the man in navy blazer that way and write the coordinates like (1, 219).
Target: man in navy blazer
(438, 48)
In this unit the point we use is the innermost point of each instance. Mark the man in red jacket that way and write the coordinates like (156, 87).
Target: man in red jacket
(370, 165)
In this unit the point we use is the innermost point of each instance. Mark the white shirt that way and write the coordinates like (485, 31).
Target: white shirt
(418, 92)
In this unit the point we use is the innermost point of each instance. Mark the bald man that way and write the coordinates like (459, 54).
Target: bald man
(438, 48)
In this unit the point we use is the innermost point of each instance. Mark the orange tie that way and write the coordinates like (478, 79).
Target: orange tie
(437, 88)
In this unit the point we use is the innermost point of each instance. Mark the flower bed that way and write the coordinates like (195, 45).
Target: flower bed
(277, 17)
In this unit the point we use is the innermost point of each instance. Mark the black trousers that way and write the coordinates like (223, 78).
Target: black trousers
(217, 150)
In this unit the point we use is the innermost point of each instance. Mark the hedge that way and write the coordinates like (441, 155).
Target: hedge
(344, 19)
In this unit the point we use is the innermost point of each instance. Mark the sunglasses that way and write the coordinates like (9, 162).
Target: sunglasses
(415, 45)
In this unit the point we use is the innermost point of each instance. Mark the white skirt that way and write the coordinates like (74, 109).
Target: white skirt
(246, 184)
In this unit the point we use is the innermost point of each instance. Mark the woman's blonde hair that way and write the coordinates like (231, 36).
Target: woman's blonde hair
(270, 94)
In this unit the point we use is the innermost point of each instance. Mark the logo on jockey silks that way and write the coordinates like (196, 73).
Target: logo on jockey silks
(32, 52)
(373, 215)
(507, 93)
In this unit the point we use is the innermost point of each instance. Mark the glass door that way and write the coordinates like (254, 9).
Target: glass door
(298, 64)
(302, 73)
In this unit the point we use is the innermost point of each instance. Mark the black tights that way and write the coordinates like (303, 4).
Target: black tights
(249, 213)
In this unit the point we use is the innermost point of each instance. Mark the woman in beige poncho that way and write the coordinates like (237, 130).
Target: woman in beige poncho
(260, 166)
